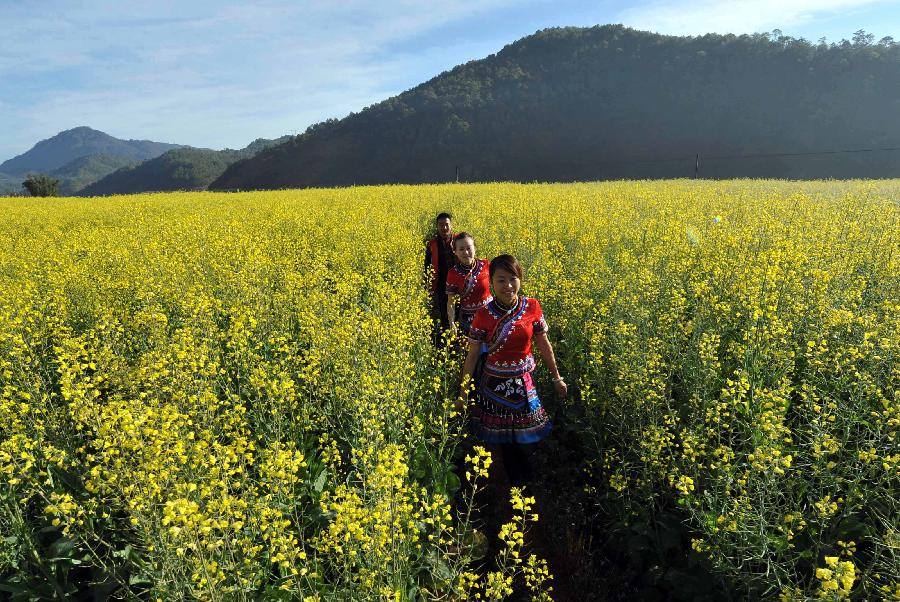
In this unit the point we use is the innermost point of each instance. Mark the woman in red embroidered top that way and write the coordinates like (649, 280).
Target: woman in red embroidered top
(469, 280)
(507, 409)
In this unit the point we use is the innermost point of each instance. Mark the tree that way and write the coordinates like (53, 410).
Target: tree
(610, 103)
(41, 185)
(861, 38)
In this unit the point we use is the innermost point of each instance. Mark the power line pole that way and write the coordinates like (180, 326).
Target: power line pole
(697, 166)
(457, 174)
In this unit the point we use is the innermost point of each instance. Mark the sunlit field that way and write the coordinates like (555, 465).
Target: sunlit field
(233, 396)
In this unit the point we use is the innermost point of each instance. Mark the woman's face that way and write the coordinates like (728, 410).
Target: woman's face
(464, 249)
(505, 286)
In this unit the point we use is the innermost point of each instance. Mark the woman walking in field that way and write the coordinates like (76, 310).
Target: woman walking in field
(469, 280)
(507, 410)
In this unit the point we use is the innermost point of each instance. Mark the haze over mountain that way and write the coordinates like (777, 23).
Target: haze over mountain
(83, 171)
(612, 102)
(179, 169)
(77, 157)
(78, 142)
(9, 184)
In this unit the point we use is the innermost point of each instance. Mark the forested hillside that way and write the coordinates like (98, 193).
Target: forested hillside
(83, 171)
(612, 102)
(179, 169)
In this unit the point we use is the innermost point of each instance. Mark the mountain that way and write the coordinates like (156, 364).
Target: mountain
(612, 102)
(53, 153)
(261, 144)
(83, 171)
(179, 169)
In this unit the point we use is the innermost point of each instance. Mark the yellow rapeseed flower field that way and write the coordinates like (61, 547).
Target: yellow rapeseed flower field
(233, 396)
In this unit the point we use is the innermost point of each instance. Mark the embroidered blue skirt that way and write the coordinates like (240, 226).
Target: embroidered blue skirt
(507, 409)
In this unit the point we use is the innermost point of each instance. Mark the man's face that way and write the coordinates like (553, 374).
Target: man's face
(444, 228)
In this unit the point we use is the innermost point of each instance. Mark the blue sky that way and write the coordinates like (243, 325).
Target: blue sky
(218, 73)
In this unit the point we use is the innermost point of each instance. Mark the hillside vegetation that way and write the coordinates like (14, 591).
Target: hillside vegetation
(179, 169)
(612, 102)
(83, 171)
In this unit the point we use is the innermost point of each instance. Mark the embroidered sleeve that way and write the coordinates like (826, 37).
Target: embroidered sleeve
(540, 324)
(452, 284)
(479, 326)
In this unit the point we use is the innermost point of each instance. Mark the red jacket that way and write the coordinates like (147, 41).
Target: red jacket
(433, 258)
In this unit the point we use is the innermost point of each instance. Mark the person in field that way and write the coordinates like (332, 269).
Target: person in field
(507, 411)
(468, 281)
(438, 260)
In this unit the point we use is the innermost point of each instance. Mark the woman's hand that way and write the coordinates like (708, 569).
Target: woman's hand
(562, 390)
(546, 349)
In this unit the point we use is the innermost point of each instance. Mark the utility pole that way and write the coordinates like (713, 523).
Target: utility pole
(697, 166)
(457, 174)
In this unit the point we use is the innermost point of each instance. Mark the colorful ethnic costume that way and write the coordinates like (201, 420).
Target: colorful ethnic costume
(507, 408)
(473, 285)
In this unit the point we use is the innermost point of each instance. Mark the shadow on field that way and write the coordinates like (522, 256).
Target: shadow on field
(591, 554)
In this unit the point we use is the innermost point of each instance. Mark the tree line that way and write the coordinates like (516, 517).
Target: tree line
(612, 102)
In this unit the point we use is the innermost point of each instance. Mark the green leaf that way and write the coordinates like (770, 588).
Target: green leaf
(319, 484)
(439, 568)
(127, 553)
(140, 580)
(451, 483)
(62, 548)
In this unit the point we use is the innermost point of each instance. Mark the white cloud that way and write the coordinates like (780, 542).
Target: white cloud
(211, 73)
(692, 17)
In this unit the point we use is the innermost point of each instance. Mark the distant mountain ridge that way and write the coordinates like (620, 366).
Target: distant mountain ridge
(612, 102)
(66, 146)
(564, 104)
(83, 171)
(179, 169)
(136, 165)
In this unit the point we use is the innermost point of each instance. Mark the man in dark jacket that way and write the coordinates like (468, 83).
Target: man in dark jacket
(439, 259)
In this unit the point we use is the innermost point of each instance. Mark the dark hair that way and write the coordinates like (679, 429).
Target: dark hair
(443, 215)
(461, 236)
(507, 263)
